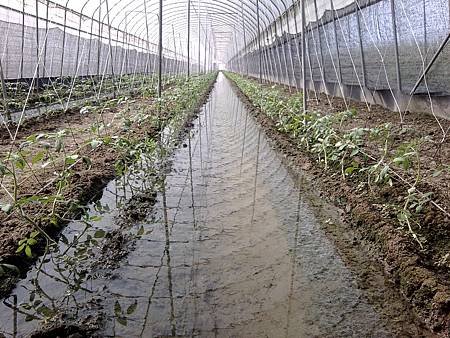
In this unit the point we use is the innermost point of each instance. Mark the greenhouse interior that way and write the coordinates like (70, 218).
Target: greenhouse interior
(225, 168)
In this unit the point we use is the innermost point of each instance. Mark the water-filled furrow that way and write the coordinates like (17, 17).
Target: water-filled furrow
(232, 247)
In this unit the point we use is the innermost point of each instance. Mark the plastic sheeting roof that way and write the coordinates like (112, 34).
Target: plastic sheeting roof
(225, 25)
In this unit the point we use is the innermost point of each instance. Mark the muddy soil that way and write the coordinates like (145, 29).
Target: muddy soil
(415, 272)
(85, 185)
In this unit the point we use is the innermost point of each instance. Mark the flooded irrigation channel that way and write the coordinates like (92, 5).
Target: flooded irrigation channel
(228, 247)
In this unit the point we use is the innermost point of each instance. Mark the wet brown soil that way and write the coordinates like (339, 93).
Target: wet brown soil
(85, 184)
(414, 272)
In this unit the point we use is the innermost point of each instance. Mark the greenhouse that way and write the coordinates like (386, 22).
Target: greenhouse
(212, 168)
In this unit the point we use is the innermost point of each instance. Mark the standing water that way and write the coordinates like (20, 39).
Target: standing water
(231, 248)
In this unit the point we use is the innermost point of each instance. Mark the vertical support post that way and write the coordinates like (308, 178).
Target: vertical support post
(45, 71)
(5, 95)
(245, 37)
(283, 43)
(425, 37)
(320, 40)
(23, 39)
(295, 7)
(160, 51)
(204, 56)
(37, 45)
(63, 41)
(259, 41)
(337, 42)
(99, 50)
(110, 50)
(361, 46)
(78, 44)
(199, 38)
(189, 40)
(148, 37)
(305, 91)
(289, 40)
(175, 51)
(397, 56)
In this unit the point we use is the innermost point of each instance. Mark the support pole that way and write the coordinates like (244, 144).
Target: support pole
(147, 65)
(337, 44)
(361, 47)
(245, 38)
(189, 40)
(63, 50)
(23, 39)
(397, 57)
(259, 41)
(37, 46)
(110, 51)
(305, 92)
(5, 95)
(199, 37)
(160, 51)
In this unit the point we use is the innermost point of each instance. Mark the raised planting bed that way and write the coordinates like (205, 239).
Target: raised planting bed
(52, 170)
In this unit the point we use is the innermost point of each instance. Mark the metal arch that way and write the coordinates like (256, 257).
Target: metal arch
(231, 22)
(235, 22)
(101, 22)
(237, 26)
(274, 21)
(249, 22)
(219, 4)
(210, 4)
(222, 4)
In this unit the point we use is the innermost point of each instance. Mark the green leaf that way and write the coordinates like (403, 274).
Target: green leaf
(354, 152)
(29, 318)
(95, 143)
(20, 163)
(7, 208)
(132, 308)
(44, 310)
(38, 157)
(28, 251)
(141, 231)
(117, 309)
(87, 161)
(95, 218)
(99, 234)
(11, 267)
(349, 170)
(122, 321)
(31, 242)
(20, 248)
(437, 173)
(58, 145)
(71, 159)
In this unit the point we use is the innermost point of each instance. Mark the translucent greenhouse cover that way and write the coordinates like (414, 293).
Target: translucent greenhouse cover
(227, 25)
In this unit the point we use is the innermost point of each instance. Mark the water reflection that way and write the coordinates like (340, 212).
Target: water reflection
(231, 248)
